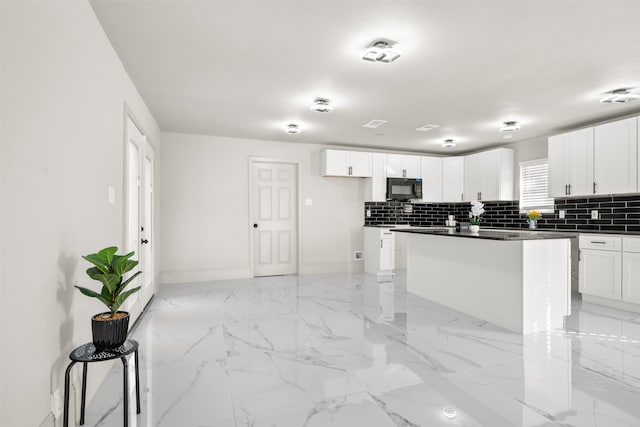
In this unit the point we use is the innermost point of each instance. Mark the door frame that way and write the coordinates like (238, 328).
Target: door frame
(298, 210)
(128, 114)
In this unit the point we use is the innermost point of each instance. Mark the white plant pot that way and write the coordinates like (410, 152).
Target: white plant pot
(474, 228)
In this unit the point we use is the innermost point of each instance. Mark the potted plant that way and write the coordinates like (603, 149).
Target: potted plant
(110, 328)
(477, 209)
(534, 216)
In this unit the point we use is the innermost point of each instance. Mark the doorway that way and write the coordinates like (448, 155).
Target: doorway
(274, 217)
(139, 168)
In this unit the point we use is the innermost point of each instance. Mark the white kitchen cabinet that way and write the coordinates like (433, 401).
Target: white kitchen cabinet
(452, 179)
(631, 269)
(601, 265)
(488, 175)
(570, 157)
(345, 163)
(616, 157)
(375, 188)
(431, 174)
(379, 251)
(403, 166)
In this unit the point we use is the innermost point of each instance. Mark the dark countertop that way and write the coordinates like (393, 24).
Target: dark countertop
(491, 234)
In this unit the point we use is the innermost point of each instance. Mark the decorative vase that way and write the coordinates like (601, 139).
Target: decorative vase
(474, 228)
(109, 333)
(533, 223)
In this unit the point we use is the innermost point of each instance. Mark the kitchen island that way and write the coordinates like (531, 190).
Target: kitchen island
(519, 280)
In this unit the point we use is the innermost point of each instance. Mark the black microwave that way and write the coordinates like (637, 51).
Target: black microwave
(404, 188)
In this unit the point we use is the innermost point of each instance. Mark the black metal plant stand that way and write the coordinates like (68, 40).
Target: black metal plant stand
(87, 353)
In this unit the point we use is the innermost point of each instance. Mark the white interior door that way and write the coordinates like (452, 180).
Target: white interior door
(139, 215)
(275, 218)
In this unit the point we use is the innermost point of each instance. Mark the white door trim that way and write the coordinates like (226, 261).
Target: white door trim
(255, 159)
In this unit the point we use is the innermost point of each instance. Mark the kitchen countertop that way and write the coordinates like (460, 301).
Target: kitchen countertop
(490, 234)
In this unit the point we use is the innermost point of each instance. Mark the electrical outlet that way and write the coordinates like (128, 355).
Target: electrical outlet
(368, 213)
(594, 214)
(561, 214)
(358, 255)
(56, 403)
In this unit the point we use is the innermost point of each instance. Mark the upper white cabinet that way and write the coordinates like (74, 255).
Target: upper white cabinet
(452, 179)
(375, 188)
(489, 175)
(403, 166)
(596, 160)
(571, 163)
(431, 175)
(616, 157)
(345, 163)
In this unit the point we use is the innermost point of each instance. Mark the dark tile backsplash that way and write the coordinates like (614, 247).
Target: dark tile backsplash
(617, 214)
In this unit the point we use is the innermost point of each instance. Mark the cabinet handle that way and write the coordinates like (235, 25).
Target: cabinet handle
(404, 173)
(566, 189)
(462, 197)
(594, 188)
(600, 242)
(569, 189)
(381, 243)
(350, 170)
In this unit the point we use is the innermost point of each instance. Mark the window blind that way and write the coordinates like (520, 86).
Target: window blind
(534, 186)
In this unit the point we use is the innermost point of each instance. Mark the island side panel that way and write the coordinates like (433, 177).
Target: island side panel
(479, 277)
(547, 284)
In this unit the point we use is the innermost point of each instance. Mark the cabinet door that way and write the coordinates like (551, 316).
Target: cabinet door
(387, 253)
(452, 179)
(403, 166)
(394, 167)
(581, 162)
(360, 163)
(375, 188)
(489, 174)
(558, 158)
(471, 177)
(601, 273)
(616, 157)
(631, 277)
(334, 163)
(412, 166)
(431, 178)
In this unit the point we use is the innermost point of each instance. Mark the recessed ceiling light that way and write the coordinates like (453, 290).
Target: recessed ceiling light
(292, 128)
(449, 413)
(426, 128)
(321, 105)
(510, 126)
(620, 96)
(448, 143)
(374, 124)
(381, 51)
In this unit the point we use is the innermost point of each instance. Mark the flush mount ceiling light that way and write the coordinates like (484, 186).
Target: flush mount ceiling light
(321, 105)
(448, 143)
(508, 127)
(292, 128)
(449, 413)
(374, 124)
(381, 51)
(426, 128)
(620, 96)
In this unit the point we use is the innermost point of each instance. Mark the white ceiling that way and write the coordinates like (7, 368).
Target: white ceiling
(248, 68)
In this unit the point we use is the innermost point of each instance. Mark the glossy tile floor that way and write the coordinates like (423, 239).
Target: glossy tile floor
(346, 350)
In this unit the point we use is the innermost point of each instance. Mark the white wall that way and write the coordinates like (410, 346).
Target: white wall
(63, 96)
(205, 208)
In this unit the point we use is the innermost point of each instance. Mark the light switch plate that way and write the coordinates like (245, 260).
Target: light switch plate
(594, 214)
(561, 214)
(368, 213)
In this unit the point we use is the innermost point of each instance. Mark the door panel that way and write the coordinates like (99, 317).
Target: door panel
(275, 218)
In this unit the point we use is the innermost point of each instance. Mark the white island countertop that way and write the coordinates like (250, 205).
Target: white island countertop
(519, 280)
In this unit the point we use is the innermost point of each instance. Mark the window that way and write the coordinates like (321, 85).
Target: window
(534, 186)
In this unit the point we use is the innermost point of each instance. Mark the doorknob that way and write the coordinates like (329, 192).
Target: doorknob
(144, 241)
(255, 225)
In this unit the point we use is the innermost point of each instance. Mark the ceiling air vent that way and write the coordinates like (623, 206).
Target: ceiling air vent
(620, 96)
(426, 128)
(374, 124)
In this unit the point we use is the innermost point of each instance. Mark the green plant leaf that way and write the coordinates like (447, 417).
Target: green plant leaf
(122, 264)
(126, 282)
(107, 254)
(111, 282)
(98, 262)
(123, 296)
(90, 293)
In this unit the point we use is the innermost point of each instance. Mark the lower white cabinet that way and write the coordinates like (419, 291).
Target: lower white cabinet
(379, 251)
(610, 267)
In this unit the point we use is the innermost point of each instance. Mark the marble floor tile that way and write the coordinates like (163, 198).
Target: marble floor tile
(352, 350)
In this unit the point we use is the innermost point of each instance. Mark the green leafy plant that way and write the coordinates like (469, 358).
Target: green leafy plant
(109, 270)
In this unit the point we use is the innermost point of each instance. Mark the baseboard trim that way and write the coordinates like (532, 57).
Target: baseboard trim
(622, 305)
